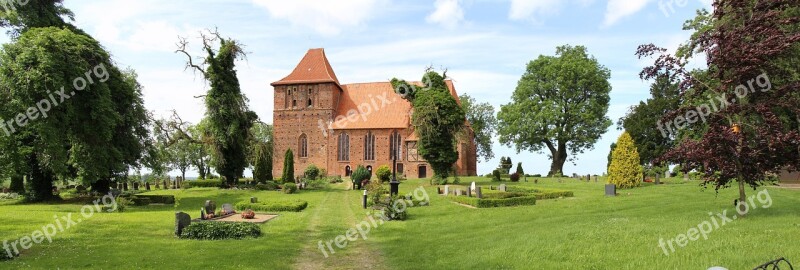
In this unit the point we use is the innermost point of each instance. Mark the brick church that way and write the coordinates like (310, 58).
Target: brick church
(338, 127)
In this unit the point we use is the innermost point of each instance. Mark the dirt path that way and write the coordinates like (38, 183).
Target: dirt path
(333, 217)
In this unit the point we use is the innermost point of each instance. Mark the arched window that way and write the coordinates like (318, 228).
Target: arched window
(303, 146)
(395, 150)
(344, 147)
(369, 146)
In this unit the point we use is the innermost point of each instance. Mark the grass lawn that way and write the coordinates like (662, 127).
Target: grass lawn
(588, 231)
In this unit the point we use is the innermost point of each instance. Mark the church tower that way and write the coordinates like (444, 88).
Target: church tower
(305, 101)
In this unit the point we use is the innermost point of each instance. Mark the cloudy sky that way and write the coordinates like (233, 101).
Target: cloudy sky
(485, 45)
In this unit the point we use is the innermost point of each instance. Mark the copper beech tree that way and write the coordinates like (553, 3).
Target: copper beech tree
(750, 46)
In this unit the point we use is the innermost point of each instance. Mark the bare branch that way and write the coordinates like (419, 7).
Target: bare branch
(182, 43)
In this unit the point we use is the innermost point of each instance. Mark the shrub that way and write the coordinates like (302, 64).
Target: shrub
(514, 177)
(496, 175)
(9, 196)
(140, 201)
(625, 171)
(121, 203)
(318, 184)
(384, 173)
(335, 179)
(360, 175)
(312, 172)
(163, 199)
(273, 206)
(376, 192)
(269, 185)
(520, 171)
(541, 193)
(289, 188)
(536, 175)
(394, 208)
(202, 183)
(489, 203)
(288, 167)
(220, 230)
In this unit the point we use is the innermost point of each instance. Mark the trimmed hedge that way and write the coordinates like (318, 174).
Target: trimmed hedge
(489, 203)
(220, 230)
(162, 199)
(269, 185)
(273, 206)
(542, 193)
(201, 183)
(140, 201)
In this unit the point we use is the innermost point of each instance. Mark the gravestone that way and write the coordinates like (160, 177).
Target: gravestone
(446, 190)
(588, 177)
(166, 183)
(253, 200)
(147, 186)
(595, 178)
(685, 176)
(666, 174)
(210, 206)
(175, 184)
(439, 190)
(182, 220)
(574, 175)
(135, 185)
(611, 190)
(472, 186)
(478, 193)
(502, 187)
(227, 208)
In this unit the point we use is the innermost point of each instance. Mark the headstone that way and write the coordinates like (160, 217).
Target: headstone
(175, 184)
(447, 190)
(595, 178)
(227, 208)
(147, 186)
(666, 174)
(135, 185)
(685, 176)
(611, 190)
(182, 220)
(210, 206)
(472, 186)
(588, 177)
(439, 190)
(253, 200)
(502, 187)
(478, 193)
(574, 175)
(166, 183)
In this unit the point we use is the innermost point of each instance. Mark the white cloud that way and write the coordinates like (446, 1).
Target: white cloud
(530, 9)
(448, 13)
(325, 17)
(618, 9)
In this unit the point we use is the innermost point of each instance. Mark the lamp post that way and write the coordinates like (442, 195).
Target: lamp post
(395, 185)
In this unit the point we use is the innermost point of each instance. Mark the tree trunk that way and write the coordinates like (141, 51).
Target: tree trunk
(742, 206)
(17, 184)
(559, 158)
(40, 181)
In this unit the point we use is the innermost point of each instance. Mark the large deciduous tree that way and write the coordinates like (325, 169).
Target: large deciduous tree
(481, 117)
(229, 119)
(750, 47)
(560, 104)
(438, 120)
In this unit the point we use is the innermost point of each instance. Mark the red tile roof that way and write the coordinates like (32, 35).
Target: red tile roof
(314, 68)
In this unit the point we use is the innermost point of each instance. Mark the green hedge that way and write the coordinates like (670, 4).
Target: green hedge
(220, 230)
(273, 206)
(489, 203)
(140, 201)
(163, 199)
(201, 183)
(541, 193)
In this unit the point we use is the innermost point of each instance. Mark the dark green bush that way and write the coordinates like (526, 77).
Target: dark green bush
(393, 208)
(384, 173)
(220, 230)
(335, 179)
(201, 183)
(514, 177)
(163, 199)
(489, 203)
(140, 201)
(317, 184)
(273, 206)
(542, 193)
(496, 175)
(312, 172)
(360, 176)
(289, 188)
(269, 185)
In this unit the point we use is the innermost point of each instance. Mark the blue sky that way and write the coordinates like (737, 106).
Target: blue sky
(485, 45)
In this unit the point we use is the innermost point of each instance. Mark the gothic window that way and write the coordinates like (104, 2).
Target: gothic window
(310, 95)
(369, 146)
(395, 148)
(294, 98)
(303, 146)
(344, 147)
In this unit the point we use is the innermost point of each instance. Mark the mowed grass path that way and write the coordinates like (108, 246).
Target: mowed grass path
(589, 231)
